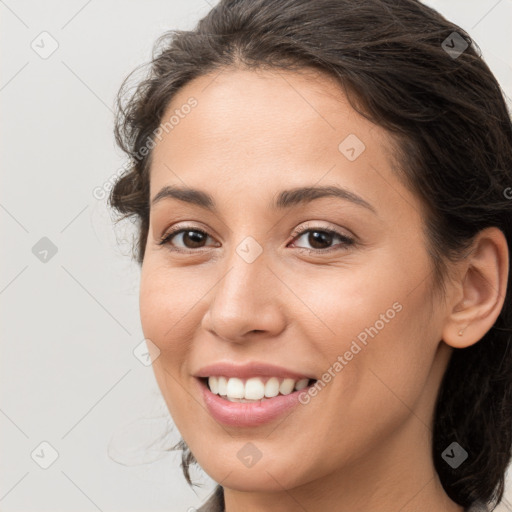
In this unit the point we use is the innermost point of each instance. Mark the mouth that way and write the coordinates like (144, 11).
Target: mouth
(254, 389)
(251, 402)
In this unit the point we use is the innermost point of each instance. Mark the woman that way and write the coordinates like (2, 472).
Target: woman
(324, 211)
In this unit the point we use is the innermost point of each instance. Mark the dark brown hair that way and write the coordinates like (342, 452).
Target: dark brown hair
(395, 61)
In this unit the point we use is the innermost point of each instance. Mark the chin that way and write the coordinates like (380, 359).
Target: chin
(264, 475)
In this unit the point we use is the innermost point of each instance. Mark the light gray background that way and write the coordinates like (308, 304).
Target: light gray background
(70, 325)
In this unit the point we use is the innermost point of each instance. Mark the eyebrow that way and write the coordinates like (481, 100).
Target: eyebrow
(285, 199)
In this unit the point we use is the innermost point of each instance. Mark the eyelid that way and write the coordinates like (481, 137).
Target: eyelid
(312, 225)
(188, 226)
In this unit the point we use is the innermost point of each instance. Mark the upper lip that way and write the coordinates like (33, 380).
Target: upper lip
(247, 370)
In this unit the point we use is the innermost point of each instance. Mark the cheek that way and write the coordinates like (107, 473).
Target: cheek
(166, 302)
(346, 304)
(170, 312)
(163, 306)
(372, 331)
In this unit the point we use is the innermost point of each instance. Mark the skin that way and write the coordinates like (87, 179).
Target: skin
(364, 442)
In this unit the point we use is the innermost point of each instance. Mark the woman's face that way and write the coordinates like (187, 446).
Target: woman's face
(269, 284)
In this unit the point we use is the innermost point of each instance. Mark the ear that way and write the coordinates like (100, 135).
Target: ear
(480, 291)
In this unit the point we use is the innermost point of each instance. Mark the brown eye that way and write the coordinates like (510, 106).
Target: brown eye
(190, 238)
(193, 239)
(320, 239)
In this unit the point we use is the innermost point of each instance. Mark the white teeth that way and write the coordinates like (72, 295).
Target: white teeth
(222, 383)
(213, 382)
(235, 388)
(286, 386)
(301, 384)
(272, 387)
(253, 389)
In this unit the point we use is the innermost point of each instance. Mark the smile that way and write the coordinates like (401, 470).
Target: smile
(239, 411)
(255, 388)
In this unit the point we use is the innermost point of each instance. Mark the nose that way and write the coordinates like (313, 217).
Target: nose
(245, 303)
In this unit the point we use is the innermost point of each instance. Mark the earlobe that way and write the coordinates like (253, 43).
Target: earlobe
(483, 286)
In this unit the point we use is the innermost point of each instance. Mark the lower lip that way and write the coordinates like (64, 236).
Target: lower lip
(238, 414)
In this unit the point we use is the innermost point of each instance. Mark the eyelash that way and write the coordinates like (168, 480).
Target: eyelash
(346, 241)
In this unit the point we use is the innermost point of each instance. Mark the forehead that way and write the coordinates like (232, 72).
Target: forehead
(262, 110)
(255, 131)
